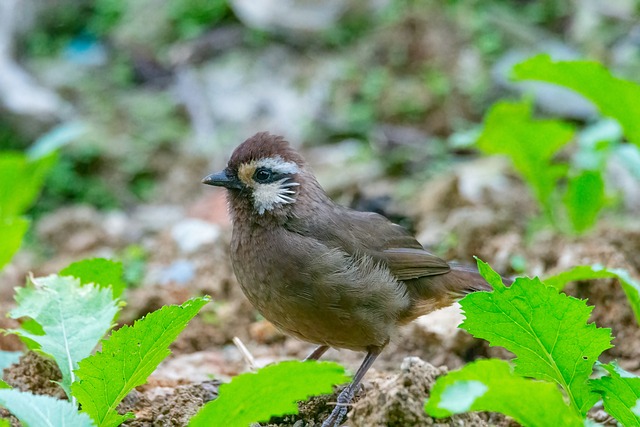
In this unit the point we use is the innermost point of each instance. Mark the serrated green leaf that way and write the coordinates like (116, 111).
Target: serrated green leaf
(20, 181)
(272, 391)
(12, 230)
(614, 97)
(491, 385)
(127, 358)
(100, 271)
(584, 199)
(73, 317)
(630, 286)
(8, 358)
(42, 411)
(620, 393)
(530, 144)
(547, 331)
(4, 385)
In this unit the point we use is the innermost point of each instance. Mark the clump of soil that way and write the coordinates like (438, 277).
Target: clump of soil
(398, 400)
(167, 405)
(35, 374)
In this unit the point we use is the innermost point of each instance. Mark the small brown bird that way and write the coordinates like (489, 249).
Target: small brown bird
(322, 272)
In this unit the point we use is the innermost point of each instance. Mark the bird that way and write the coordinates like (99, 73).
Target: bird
(322, 272)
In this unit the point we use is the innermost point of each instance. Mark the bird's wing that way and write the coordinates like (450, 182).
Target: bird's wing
(411, 263)
(368, 233)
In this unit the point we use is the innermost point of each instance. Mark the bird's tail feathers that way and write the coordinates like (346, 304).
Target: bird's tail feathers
(435, 292)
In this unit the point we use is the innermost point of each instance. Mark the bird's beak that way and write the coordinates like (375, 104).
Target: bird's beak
(221, 179)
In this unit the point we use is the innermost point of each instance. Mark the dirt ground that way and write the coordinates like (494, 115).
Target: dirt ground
(489, 222)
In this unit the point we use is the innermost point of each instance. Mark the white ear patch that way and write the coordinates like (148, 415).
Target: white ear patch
(268, 196)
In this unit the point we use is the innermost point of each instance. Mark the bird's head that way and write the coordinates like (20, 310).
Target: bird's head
(264, 178)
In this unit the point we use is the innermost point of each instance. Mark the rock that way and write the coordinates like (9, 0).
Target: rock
(486, 175)
(154, 218)
(117, 227)
(443, 323)
(302, 19)
(192, 234)
(294, 17)
(180, 272)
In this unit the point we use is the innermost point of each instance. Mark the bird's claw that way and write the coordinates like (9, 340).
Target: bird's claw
(336, 417)
(341, 409)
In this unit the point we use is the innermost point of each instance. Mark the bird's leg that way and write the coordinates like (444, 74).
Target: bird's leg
(345, 397)
(317, 353)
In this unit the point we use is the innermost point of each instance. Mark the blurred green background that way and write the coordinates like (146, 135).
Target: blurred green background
(143, 96)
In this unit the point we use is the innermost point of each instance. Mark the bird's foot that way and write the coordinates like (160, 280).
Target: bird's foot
(341, 409)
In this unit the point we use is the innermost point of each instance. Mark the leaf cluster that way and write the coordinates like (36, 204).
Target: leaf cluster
(65, 317)
(571, 192)
(549, 382)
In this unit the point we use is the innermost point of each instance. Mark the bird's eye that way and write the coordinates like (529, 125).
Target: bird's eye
(262, 175)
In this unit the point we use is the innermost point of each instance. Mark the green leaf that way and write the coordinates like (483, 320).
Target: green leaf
(12, 230)
(4, 385)
(493, 278)
(620, 393)
(8, 358)
(20, 181)
(530, 144)
(491, 385)
(272, 391)
(630, 286)
(614, 97)
(547, 331)
(42, 411)
(127, 358)
(100, 271)
(73, 317)
(584, 199)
